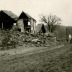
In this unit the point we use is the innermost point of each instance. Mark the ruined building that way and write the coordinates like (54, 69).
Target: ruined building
(7, 19)
(26, 22)
(40, 28)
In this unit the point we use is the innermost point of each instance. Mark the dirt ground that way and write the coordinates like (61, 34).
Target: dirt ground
(37, 59)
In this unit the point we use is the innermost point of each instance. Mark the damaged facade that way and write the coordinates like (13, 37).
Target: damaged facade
(7, 19)
(26, 23)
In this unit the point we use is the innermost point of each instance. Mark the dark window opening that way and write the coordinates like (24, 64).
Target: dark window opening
(26, 26)
(6, 25)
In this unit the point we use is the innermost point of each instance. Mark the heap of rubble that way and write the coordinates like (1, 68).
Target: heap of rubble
(15, 38)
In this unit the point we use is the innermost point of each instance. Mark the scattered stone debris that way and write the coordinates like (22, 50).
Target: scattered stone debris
(11, 39)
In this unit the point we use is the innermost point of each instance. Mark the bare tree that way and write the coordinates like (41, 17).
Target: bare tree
(52, 21)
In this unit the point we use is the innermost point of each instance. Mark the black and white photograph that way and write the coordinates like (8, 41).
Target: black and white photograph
(35, 35)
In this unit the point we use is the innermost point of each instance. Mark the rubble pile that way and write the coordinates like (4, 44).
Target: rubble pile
(11, 39)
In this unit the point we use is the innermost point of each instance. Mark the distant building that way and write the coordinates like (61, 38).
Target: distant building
(40, 28)
(7, 19)
(26, 22)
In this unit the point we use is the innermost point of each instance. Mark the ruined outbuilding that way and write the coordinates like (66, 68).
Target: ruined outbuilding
(40, 28)
(26, 23)
(7, 19)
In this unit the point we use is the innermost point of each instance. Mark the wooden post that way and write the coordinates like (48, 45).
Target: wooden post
(66, 34)
(2, 25)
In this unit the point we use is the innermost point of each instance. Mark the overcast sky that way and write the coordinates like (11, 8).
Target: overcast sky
(61, 8)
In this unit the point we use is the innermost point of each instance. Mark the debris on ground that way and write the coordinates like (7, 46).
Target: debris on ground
(15, 38)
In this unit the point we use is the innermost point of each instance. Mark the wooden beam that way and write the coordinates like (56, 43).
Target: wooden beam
(2, 25)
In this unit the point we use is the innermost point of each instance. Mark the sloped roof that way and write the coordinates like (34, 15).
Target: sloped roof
(28, 15)
(9, 13)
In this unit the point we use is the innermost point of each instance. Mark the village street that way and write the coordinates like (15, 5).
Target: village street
(35, 35)
(36, 59)
(28, 50)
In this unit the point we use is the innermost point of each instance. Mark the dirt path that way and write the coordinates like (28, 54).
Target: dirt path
(34, 59)
(28, 50)
(25, 54)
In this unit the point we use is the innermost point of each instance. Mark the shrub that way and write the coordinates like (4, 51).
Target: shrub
(7, 43)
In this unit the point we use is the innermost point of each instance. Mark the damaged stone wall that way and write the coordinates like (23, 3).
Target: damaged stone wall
(21, 24)
(33, 25)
